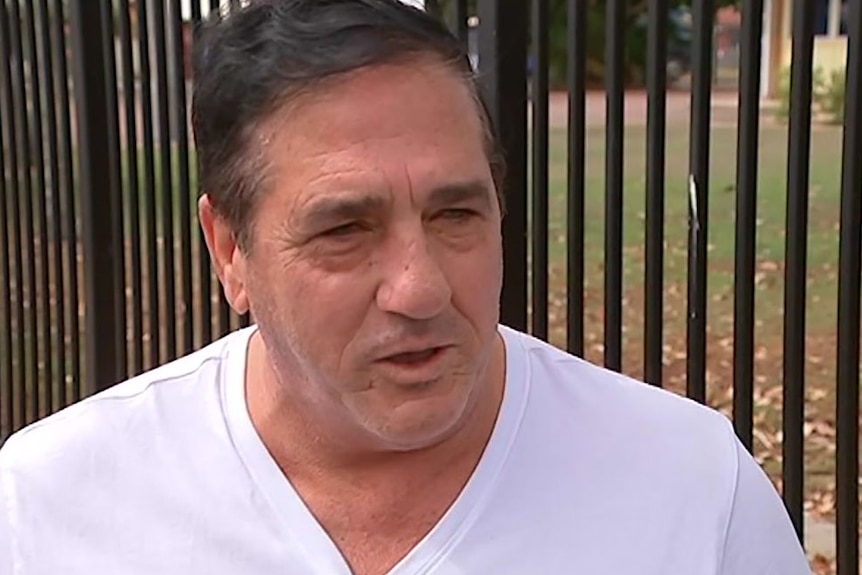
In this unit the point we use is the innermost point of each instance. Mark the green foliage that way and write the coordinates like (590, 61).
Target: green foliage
(832, 97)
(782, 92)
(635, 45)
(635, 37)
(827, 95)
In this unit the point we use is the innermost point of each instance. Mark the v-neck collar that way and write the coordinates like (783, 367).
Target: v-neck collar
(299, 523)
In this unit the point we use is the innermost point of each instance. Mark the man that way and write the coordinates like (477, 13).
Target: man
(376, 419)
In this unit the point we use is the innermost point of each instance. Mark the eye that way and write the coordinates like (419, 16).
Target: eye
(457, 214)
(343, 230)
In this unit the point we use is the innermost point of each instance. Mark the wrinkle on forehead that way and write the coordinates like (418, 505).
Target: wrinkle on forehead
(410, 188)
(343, 133)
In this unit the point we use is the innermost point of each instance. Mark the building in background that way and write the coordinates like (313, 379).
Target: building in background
(830, 41)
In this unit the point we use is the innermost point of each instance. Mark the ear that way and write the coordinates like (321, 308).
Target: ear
(227, 258)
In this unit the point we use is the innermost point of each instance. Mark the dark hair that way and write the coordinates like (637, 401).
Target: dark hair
(254, 60)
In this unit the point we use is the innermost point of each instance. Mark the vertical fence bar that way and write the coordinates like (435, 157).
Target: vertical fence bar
(6, 377)
(136, 348)
(196, 16)
(116, 182)
(702, 13)
(165, 189)
(183, 187)
(799, 141)
(847, 402)
(149, 188)
(747, 150)
(224, 313)
(56, 323)
(224, 310)
(655, 166)
(461, 28)
(29, 336)
(40, 301)
(74, 384)
(576, 48)
(614, 123)
(204, 270)
(17, 395)
(5, 304)
(502, 57)
(97, 196)
(8, 223)
(539, 134)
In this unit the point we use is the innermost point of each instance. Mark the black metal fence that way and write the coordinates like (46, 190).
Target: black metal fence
(103, 272)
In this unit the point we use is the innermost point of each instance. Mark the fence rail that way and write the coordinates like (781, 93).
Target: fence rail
(104, 273)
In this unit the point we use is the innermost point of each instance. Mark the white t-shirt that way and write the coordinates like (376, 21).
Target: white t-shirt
(586, 472)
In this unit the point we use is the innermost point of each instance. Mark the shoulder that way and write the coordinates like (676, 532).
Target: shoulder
(672, 439)
(577, 384)
(123, 415)
(639, 451)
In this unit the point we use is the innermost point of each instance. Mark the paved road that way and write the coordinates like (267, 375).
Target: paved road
(677, 103)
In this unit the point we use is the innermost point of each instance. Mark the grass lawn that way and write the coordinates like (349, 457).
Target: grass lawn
(822, 278)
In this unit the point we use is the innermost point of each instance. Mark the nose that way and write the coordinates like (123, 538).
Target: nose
(414, 285)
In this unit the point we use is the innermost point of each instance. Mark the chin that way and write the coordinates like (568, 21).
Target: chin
(416, 441)
(421, 424)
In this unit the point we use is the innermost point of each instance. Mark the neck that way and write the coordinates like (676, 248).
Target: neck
(305, 447)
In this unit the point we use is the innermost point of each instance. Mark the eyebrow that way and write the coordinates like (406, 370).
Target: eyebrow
(328, 210)
(350, 207)
(459, 193)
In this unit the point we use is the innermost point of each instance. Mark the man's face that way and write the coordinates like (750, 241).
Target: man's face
(375, 268)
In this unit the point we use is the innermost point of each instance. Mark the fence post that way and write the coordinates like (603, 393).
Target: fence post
(503, 72)
(101, 243)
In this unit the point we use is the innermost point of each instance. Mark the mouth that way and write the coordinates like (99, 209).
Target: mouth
(414, 358)
(412, 367)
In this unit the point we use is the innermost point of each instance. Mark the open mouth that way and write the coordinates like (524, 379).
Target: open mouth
(415, 357)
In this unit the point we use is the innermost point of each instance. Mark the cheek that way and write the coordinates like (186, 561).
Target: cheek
(476, 280)
(330, 305)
